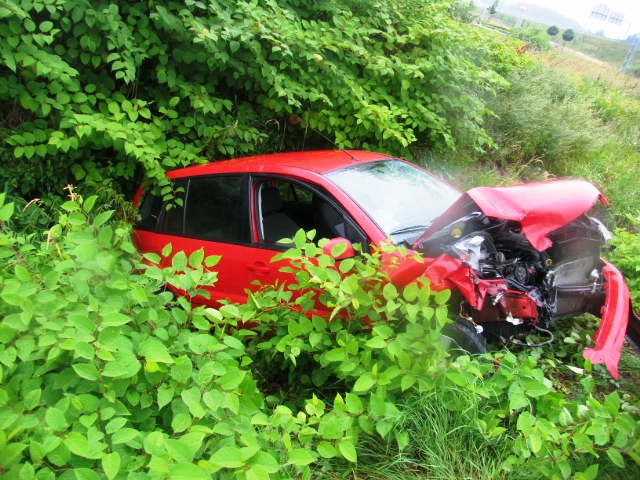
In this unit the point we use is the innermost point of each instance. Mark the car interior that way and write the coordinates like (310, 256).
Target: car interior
(286, 207)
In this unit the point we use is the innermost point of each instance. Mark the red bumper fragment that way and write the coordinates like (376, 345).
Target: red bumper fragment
(613, 326)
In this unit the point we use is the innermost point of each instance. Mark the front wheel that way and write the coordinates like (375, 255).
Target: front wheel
(461, 337)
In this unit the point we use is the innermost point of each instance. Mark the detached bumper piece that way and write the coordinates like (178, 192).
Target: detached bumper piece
(616, 315)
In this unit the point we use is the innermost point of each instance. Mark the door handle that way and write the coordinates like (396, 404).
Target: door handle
(259, 268)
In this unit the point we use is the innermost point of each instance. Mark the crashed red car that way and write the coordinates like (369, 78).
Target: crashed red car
(516, 258)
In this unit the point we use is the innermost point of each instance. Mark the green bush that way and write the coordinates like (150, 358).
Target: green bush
(535, 38)
(104, 373)
(97, 91)
(103, 370)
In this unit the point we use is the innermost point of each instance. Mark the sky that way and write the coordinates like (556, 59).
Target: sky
(580, 10)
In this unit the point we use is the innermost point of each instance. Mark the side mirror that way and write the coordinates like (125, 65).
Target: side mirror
(339, 248)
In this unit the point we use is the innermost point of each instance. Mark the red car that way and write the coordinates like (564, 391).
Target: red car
(516, 258)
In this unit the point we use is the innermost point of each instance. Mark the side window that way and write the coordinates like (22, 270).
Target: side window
(171, 223)
(215, 209)
(150, 210)
(285, 207)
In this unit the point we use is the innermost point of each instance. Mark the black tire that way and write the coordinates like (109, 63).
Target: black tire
(461, 337)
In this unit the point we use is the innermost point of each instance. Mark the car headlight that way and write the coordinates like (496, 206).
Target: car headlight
(604, 231)
(472, 249)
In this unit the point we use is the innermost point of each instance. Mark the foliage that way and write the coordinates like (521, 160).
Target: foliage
(626, 256)
(556, 121)
(543, 116)
(552, 31)
(104, 373)
(465, 11)
(102, 370)
(97, 91)
(444, 440)
(535, 38)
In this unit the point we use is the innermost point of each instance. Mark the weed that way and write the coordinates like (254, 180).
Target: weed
(444, 441)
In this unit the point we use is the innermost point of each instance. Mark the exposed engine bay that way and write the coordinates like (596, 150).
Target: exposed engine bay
(526, 287)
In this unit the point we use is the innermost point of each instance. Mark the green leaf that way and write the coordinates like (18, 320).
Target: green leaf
(6, 211)
(102, 218)
(70, 206)
(534, 388)
(187, 471)
(517, 398)
(212, 260)
(78, 444)
(115, 319)
(179, 261)
(407, 381)
(195, 259)
(376, 342)
(111, 464)
(591, 473)
(616, 457)
(124, 435)
(115, 424)
(364, 383)
(32, 399)
(228, 457)
(354, 404)
(326, 450)
(181, 422)
(89, 203)
(55, 419)
(348, 450)
(86, 370)
(301, 456)
(10, 452)
(155, 351)
(535, 441)
(165, 395)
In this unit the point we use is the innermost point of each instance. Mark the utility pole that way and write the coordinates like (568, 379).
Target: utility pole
(631, 54)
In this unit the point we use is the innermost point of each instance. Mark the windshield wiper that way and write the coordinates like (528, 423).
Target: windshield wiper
(409, 229)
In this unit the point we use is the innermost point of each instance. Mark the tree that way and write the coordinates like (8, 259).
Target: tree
(553, 31)
(494, 8)
(568, 35)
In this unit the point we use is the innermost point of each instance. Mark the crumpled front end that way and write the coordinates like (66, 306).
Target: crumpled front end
(523, 256)
(500, 310)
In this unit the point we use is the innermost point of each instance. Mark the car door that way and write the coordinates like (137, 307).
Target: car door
(242, 219)
(280, 207)
(214, 216)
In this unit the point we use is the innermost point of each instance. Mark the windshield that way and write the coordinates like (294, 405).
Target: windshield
(400, 198)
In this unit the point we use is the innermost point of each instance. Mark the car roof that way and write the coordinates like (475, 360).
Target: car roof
(317, 161)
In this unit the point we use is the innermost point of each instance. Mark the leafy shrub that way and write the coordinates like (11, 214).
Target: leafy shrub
(103, 371)
(534, 37)
(106, 90)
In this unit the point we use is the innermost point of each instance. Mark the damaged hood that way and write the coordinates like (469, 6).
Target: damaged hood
(540, 207)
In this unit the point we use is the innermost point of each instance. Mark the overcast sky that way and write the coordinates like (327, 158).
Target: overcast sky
(580, 11)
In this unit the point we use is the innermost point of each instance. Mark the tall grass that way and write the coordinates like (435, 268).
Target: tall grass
(444, 441)
(558, 120)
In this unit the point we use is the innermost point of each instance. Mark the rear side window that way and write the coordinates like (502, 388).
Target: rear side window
(216, 210)
(150, 210)
(171, 222)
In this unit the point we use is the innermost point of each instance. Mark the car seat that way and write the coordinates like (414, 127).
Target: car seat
(275, 224)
